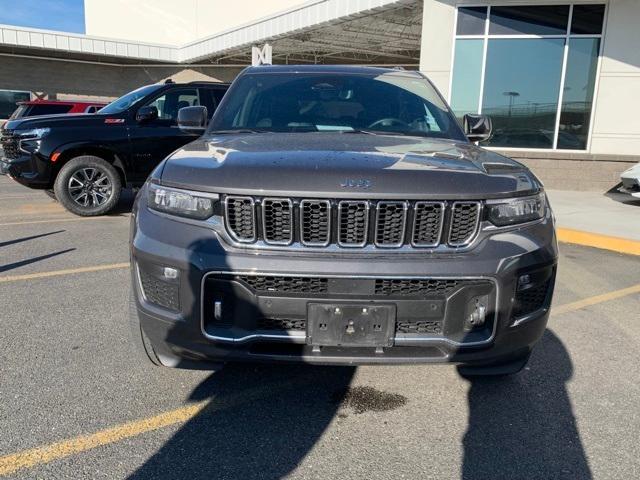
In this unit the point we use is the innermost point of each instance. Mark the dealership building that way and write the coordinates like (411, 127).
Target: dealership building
(560, 79)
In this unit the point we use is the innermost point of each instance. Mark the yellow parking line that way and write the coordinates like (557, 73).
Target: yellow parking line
(29, 458)
(587, 302)
(617, 244)
(69, 271)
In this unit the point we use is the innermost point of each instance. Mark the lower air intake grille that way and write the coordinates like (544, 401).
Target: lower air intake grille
(281, 324)
(419, 326)
(529, 300)
(264, 283)
(414, 286)
(158, 292)
(464, 222)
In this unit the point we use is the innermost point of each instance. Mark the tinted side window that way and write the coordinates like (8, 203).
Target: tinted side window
(170, 102)
(48, 110)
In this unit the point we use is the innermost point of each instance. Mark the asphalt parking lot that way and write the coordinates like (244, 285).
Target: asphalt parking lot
(74, 402)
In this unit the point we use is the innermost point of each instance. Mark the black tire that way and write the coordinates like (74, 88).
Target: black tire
(88, 186)
(145, 353)
(51, 194)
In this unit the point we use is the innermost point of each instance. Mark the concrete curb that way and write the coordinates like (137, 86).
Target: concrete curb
(588, 239)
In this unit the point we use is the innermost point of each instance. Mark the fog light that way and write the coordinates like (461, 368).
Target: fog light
(169, 273)
(477, 312)
(523, 281)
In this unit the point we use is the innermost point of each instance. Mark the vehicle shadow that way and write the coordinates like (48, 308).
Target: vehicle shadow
(621, 197)
(260, 422)
(125, 204)
(523, 427)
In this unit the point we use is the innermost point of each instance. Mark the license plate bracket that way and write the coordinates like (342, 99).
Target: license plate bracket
(351, 325)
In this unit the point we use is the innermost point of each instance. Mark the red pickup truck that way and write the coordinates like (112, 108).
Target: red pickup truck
(52, 107)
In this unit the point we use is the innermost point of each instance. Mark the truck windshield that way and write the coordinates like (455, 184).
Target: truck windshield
(393, 102)
(128, 100)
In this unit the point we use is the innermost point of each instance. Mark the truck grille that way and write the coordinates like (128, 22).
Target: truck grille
(9, 144)
(351, 223)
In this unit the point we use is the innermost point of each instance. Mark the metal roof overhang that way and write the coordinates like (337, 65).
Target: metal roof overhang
(318, 31)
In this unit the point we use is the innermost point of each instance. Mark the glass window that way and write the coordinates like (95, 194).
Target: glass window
(538, 20)
(471, 20)
(467, 75)
(400, 103)
(172, 101)
(587, 19)
(128, 100)
(47, 109)
(521, 75)
(9, 100)
(521, 90)
(577, 99)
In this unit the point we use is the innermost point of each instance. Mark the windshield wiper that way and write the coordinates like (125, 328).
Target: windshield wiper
(237, 130)
(386, 132)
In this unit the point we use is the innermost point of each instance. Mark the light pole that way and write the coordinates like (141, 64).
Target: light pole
(512, 96)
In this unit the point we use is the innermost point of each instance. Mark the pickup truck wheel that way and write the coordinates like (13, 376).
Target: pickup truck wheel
(88, 186)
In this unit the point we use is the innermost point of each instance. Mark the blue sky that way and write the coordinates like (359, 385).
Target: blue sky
(62, 15)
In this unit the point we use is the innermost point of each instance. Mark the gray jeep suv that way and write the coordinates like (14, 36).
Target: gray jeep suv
(340, 215)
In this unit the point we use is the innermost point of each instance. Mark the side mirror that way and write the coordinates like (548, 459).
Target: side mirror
(192, 119)
(146, 114)
(477, 128)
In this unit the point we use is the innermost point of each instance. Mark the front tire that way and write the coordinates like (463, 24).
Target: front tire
(88, 186)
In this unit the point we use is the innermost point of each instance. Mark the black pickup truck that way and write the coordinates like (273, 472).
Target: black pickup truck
(85, 160)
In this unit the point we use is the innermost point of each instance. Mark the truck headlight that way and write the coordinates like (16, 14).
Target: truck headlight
(198, 205)
(30, 140)
(517, 210)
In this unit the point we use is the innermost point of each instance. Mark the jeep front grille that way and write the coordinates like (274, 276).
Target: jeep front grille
(351, 223)
(464, 222)
(241, 218)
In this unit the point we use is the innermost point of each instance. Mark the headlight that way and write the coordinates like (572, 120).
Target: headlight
(30, 140)
(181, 202)
(33, 133)
(517, 210)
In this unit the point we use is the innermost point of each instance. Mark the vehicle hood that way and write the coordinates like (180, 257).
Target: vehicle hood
(60, 120)
(633, 172)
(345, 165)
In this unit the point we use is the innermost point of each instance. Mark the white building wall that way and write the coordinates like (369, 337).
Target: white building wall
(616, 127)
(174, 23)
(616, 123)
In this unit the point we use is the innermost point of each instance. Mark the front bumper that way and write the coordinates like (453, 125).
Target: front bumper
(30, 170)
(188, 328)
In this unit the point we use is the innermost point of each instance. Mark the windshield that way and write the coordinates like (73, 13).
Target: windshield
(391, 102)
(126, 101)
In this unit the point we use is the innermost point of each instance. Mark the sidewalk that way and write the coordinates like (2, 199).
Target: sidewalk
(609, 221)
